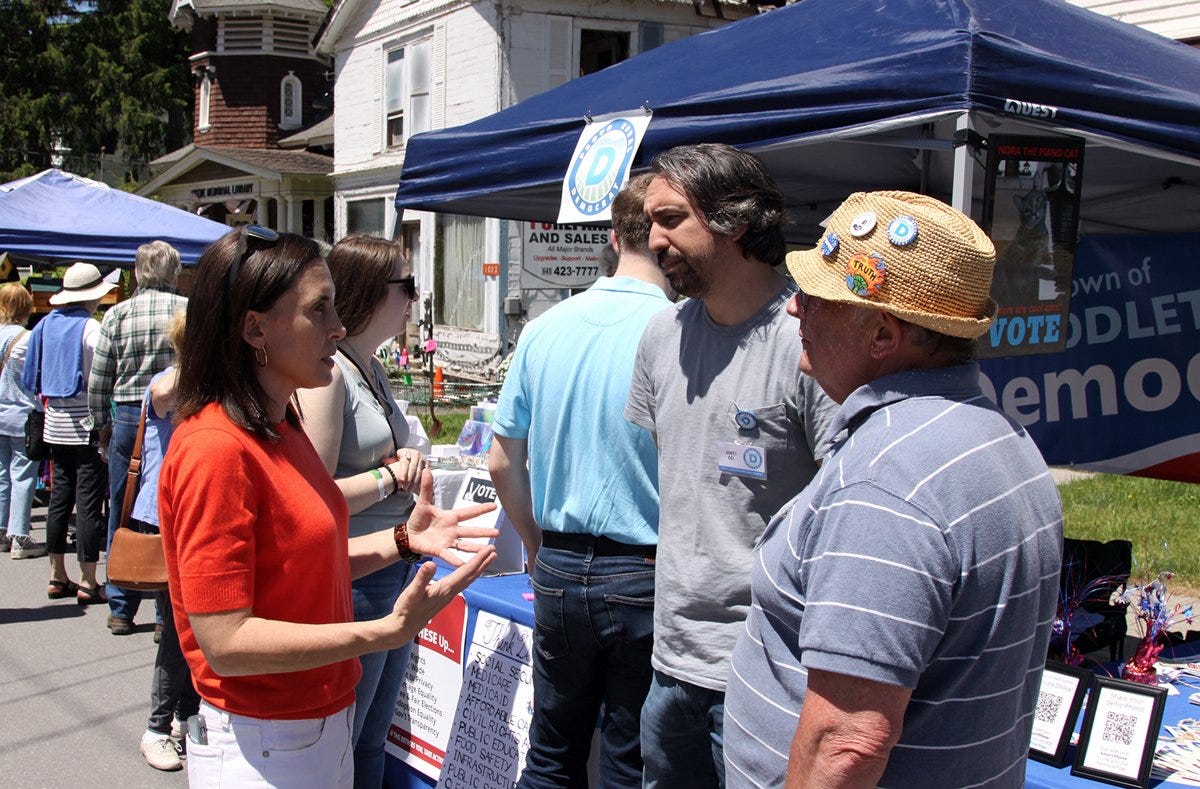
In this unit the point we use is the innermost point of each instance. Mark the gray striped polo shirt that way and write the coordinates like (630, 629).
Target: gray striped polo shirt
(925, 554)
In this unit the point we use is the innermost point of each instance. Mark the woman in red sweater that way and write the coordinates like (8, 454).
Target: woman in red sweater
(255, 530)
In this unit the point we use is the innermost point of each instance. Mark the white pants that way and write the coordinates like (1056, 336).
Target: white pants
(244, 751)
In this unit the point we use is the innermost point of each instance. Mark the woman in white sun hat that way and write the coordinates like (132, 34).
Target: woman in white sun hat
(57, 365)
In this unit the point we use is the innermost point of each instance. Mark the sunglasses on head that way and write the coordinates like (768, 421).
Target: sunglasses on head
(263, 236)
(410, 286)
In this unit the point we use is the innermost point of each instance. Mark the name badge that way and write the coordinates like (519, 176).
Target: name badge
(743, 460)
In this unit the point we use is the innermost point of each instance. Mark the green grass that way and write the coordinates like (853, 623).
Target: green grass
(451, 418)
(1160, 518)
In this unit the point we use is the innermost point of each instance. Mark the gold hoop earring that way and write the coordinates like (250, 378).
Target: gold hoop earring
(261, 362)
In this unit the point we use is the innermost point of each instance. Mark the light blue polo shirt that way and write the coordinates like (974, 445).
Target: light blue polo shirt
(590, 470)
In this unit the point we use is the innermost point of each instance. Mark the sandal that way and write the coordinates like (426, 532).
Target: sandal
(57, 590)
(88, 596)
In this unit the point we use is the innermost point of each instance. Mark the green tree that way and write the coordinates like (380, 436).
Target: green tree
(32, 72)
(103, 76)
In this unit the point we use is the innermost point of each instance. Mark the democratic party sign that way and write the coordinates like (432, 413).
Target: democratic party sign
(600, 166)
(1122, 396)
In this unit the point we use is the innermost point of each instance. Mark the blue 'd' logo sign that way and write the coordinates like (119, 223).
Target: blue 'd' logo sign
(595, 175)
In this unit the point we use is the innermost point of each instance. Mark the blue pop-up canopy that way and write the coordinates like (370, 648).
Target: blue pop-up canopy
(839, 95)
(58, 216)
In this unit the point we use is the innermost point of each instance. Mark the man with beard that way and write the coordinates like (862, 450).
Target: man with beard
(717, 380)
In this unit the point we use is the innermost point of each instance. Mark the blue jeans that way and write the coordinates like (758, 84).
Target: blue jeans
(122, 603)
(682, 735)
(594, 633)
(18, 478)
(382, 674)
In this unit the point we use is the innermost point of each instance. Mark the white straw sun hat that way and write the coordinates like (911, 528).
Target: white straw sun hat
(81, 283)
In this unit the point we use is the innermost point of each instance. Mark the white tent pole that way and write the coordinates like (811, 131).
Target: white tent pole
(964, 164)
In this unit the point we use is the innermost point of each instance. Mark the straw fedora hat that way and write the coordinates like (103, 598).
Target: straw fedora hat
(906, 254)
(81, 283)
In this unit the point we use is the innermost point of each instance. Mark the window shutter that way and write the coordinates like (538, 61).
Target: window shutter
(379, 117)
(650, 35)
(438, 88)
(559, 48)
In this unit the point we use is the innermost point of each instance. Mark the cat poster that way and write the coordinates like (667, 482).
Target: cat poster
(1031, 213)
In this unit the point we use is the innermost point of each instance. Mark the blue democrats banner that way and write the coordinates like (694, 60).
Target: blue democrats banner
(1123, 396)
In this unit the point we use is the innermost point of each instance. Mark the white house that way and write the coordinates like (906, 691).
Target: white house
(407, 66)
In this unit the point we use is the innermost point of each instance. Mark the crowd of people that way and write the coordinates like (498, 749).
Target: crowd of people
(775, 532)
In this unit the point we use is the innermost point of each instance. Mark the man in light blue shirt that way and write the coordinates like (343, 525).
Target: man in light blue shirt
(587, 510)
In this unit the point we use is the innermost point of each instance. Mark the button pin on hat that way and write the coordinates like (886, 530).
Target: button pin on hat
(862, 224)
(902, 231)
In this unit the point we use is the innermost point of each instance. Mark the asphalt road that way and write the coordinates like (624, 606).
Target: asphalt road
(73, 697)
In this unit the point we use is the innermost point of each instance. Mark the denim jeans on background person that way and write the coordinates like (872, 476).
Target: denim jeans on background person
(77, 482)
(594, 627)
(122, 603)
(682, 735)
(382, 674)
(18, 479)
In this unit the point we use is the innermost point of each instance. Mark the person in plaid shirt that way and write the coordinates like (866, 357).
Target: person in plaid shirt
(132, 349)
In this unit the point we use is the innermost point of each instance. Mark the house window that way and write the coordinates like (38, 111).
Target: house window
(458, 272)
(408, 80)
(290, 102)
(205, 98)
(366, 216)
(599, 49)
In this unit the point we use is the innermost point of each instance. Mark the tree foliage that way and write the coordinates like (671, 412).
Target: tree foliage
(108, 76)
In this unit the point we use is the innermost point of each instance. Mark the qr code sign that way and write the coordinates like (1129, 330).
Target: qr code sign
(1047, 707)
(1118, 728)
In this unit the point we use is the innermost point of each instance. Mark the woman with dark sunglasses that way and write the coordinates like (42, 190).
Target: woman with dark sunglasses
(256, 532)
(361, 435)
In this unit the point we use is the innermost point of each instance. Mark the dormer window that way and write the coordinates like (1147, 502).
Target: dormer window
(290, 102)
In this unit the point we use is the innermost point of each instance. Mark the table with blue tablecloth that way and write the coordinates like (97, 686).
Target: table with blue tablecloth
(1038, 774)
(504, 596)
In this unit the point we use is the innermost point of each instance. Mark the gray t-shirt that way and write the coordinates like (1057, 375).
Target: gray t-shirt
(690, 380)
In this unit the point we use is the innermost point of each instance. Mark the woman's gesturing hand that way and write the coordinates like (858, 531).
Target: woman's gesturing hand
(424, 597)
(436, 532)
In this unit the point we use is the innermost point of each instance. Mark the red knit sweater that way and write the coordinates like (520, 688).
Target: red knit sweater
(248, 523)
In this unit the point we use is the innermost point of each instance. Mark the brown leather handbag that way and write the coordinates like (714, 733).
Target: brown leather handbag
(136, 560)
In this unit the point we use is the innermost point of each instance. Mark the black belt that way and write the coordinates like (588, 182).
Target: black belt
(598, 546)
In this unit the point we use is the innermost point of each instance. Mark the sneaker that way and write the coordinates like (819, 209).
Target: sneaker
(158, 631)
(178, 738)
(120, 627)
(25, 547)
(160, 752)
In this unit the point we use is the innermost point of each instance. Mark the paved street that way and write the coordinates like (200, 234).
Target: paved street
(73, 698)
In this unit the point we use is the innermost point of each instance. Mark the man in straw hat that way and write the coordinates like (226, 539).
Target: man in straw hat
(716, 380)
(903, 600)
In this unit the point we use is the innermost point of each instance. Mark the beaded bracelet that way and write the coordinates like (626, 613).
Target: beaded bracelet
(395, 482)
(400, 535)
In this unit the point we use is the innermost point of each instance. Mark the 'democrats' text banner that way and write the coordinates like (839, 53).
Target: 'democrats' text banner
(1123, 395)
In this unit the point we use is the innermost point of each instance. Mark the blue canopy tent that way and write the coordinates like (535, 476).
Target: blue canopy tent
(56, 216)
(841, 95)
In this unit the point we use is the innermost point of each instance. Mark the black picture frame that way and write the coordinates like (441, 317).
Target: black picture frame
(1132, 711)
(1050, 740)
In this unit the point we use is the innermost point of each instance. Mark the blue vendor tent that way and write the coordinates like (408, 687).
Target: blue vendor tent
(840, 95)
(56, 216)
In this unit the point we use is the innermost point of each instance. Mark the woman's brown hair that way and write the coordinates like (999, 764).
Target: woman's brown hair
(361, 266)
(215, 364)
